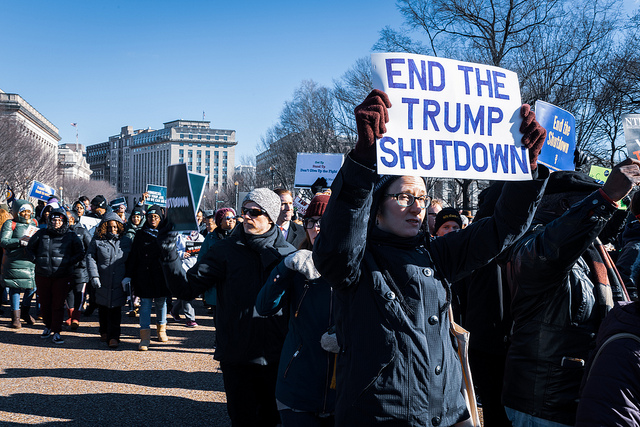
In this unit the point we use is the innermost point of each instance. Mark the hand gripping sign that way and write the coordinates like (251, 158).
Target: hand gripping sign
(449, 119)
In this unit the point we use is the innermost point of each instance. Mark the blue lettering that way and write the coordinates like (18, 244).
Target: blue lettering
(444, 144)
(413, 71)
(499, 156)
(487, 83)
(466, 71)
(411, 153)
(520, 161)
(391, 73)
(474, 157)
(477, 122)
(491, 120)
(497, 85)
(467, 155)
(432, 86)
(394, 158)
(431, 114)
(431, 155)
(455, 127)
(410, 102)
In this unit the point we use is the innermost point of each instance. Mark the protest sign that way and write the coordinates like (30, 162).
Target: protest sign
(117, 202)
(156, 195)
(89, 223)
(300, 205)
(599, 173)
(41, 191)
(631, 126)
(311, 166)
(180, 206)
(449, 119)
(198, 182)
(558, 148)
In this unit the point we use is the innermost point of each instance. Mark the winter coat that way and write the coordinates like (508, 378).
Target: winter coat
(105, 259)
(55, 252)
(397, 363)
(306, 369)
(237, 268)
(80, 270)
(217, 235)
(143, 265)
(630, 244)
(555, 310)
(17, 265)
(611, 395)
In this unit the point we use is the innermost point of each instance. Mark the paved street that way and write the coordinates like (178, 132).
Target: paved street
(83, 382)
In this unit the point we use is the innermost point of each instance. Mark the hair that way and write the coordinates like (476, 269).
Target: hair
(437, 202)
(282, 191)
(101, 231)
(4, 216)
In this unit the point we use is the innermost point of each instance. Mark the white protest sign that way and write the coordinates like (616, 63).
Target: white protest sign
(449, 119)
(631, 126)
(311, 166)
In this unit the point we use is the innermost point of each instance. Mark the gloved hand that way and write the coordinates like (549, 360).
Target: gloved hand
(167, 238)
(624, 176)
(125, 284)
(534, 134)
(371, 117)
(329, 342)
(24, 242)
(95, 282)
(302, 262)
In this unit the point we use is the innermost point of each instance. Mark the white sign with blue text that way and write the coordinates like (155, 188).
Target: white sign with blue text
(450, 119)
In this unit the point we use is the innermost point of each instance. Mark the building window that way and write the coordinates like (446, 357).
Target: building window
(217, 138)
(199, 136)
(190, 136)
(208, 136)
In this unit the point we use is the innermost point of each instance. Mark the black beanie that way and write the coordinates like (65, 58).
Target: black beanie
(447, 214)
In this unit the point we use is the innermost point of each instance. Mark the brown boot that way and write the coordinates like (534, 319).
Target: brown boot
(145, 339)
(15, 319)
(162, 333)
(75, 320)
(69, 314)
(24, 315)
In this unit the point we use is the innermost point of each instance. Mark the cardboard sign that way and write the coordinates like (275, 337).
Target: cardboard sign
(41, 191)
(631, 126)
(301, 205)
(599, 173)
(558, 148)
(157, 195)
(449, 119)
(311, 166)
(180, 205)
(89, 223)
(198, 181)
(192, 247)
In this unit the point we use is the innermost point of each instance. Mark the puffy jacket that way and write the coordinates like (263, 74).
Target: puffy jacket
(55, 252)
(630, 241)
(555, 311)
(143, 265)
(306, 369)
(105, 259)
(17, 264)
(611, 395)
(397, 363)
(80, 270)
(238, 271)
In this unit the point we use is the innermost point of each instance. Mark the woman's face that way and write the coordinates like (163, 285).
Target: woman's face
(312, 226)
(26, 214)
(80, 209)
(228, 222)
(56, 221)
(153, 220)
(136, 219)
(112, 227)
(399, 220)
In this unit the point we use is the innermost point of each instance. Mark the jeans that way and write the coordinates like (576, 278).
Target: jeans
(145, 311)
(26, 299)
(520, 419)
(187, 309)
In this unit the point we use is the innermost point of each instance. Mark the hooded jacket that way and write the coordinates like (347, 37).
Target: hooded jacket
(105, 260)
(55, 251)
(18, 267)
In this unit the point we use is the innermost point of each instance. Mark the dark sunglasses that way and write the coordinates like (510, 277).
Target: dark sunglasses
(253, 212)
(309, 223)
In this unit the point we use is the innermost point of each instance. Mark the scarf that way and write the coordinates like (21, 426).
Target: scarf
(264, 245)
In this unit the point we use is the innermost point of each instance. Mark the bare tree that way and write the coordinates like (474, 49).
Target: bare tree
(76, 187)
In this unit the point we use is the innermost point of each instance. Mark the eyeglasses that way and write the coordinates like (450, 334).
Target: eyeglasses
(253, 212)
(309, 223)
(227, 218)
(405, 200)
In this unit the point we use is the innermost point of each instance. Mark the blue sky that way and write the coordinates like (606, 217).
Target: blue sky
(110, 64)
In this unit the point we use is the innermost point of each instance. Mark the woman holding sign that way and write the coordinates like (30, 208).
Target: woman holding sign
(397, 364)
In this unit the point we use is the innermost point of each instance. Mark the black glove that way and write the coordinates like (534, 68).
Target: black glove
(318, 185)
(167, 239)
(371, 117)
(534, 134)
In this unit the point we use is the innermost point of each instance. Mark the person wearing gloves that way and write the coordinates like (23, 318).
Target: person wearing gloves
(397, 364)
(17, 266)
(144, 273)
(248, 345)
(56, 250)
(106, 267)
(305, 389)
(75, 298)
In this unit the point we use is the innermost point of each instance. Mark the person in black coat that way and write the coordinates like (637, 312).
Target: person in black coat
(144, 273)
(75, 298)
(55, 250)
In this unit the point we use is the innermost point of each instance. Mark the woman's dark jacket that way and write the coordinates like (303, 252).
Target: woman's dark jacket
(55, 252)
(143, 265)
(630, 244)
(80, 270)
(306, 369)
(398, 365)
(555, 308)
(237, 267)
(106, 258)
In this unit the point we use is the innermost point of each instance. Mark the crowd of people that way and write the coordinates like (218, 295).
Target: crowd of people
(342, 316)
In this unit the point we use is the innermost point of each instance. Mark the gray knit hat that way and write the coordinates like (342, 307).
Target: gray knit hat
(267, 200)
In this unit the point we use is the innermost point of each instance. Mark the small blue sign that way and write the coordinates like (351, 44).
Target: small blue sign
(557, 151)
(157, 195)
(41, 191)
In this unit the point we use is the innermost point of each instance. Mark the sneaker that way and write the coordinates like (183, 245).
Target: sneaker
(191, 324)
(113, 343)
(46, 333)
(57, 339)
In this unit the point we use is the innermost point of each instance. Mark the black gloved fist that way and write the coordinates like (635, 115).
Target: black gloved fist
(371, 117)
(168, 239)
(534, 134)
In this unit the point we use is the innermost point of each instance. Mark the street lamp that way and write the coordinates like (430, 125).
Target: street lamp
(215, 208)
(273, 172)
(61, 204)
(236, 184)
